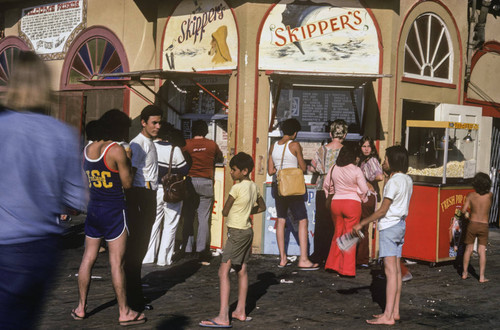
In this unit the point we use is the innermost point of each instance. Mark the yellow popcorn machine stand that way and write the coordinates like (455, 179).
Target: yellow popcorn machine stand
(442, 163)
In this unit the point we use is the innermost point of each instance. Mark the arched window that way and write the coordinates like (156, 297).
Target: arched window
(9, 50)
(428, 50)
(96, 50)
(95, 56)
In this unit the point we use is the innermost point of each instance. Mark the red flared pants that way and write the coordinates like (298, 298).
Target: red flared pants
(345, 214)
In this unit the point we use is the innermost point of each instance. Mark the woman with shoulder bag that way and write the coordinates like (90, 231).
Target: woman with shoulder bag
(349, 188)
(284, 154)
(323, 160)
(162, 240)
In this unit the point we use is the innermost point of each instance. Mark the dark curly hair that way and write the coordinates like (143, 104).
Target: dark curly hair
(241, 161)
(290, 126)
(481, 183)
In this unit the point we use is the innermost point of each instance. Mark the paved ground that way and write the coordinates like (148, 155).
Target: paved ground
(185, 293)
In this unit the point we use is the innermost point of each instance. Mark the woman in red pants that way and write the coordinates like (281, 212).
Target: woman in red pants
(348, 184)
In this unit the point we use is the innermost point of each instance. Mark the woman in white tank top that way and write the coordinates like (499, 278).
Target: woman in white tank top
(292, 158)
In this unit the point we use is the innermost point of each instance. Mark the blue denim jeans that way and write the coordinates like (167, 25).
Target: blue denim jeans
(26, 270)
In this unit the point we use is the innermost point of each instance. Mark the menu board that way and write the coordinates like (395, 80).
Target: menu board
(316, 107)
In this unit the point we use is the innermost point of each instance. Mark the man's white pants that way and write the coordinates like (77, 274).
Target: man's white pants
(162, 240)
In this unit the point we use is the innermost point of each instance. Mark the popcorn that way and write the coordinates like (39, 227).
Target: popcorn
(454, 169)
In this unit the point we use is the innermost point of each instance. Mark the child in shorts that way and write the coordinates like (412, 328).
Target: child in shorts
(244, 199)
(479, 202)
(392, 226)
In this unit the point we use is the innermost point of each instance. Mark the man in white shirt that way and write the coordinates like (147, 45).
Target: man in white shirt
(141, 202)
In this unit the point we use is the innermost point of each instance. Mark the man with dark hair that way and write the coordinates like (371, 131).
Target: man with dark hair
(141, 200)
(162, 239)
(108, 171)
(204, 154)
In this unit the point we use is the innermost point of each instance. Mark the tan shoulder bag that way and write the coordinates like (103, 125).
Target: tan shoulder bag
(290, 180)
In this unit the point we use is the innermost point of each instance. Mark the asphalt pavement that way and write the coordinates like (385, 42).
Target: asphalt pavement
(186, 292)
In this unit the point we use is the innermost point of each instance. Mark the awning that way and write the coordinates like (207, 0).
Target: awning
(320, 79)
(146, 78)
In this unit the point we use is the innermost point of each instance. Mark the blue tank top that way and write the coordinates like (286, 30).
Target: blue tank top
(104, 183)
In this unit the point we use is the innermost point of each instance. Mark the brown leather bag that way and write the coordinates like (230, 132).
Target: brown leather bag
(174, 185)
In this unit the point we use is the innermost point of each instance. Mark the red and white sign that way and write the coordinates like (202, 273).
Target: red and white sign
(322, 36)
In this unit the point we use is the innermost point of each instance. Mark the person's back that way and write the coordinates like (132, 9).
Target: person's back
(479, 206)
(104, 179)
(204, 154)
(287, 158)
(40, 176)
(349, 182)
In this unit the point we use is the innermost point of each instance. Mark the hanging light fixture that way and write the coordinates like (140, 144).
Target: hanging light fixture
(468, 137)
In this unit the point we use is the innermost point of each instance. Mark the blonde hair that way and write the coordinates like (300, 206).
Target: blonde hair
(338, 129)
(28, 87)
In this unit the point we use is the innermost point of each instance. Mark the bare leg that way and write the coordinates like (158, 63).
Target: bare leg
(467, 254)
(481, 250)
(225, 287)
(304, 255)
(391, 269)
(395, 310)
(116, 253)
(85, 272)
(280, 238)
(240, 313)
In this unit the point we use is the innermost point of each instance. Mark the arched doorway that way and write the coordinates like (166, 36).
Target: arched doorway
(95, 51)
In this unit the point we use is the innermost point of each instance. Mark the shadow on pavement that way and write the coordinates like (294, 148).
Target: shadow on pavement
(161, 281)
(174, 322)
(377, 288)
(256, 291)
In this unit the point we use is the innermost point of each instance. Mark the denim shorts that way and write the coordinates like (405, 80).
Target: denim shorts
(391, 240)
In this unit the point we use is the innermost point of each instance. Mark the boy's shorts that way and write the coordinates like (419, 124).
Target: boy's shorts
(479, 230)
(105, 221)
(238, 246)
(391, 240)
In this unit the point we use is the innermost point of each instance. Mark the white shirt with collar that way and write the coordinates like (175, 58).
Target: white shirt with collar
(145, 160)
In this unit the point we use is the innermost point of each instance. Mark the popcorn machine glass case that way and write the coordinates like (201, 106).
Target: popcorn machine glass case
(442, 162)
(441, 151)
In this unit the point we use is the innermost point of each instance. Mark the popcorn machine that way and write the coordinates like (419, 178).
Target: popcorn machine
(442, 161)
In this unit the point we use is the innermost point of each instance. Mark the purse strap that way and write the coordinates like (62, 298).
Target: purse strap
(171, 158)
(331, 176)
(283, 155)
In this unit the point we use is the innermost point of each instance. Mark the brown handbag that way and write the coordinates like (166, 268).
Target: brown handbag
(290, 180)
(174, 185)
(328, 202)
